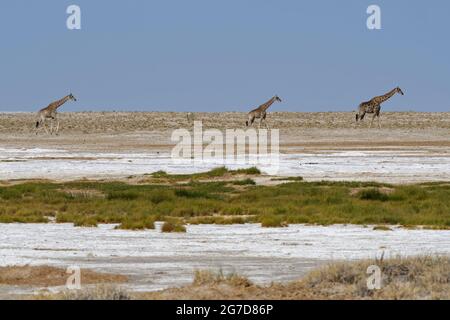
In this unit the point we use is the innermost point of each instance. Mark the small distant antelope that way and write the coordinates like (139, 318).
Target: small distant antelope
(50, 112)
(374, 106)
(260, 112)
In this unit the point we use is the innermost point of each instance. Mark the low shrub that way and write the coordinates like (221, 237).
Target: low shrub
(373, 195)
(273, 221)
(245, 182)
(169, 227)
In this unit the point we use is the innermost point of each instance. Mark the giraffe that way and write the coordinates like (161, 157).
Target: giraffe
(374, 106)
(190, 117)
(50, 112)
(260, 112)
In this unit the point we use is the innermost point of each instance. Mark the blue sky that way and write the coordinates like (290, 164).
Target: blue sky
(204, 55)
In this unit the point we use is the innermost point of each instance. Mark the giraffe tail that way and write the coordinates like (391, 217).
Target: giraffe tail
(246, 123)
(37, 124)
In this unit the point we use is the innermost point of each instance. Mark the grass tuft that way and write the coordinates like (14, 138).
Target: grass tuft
(273, 221)
(382, 228)
(373, 195)
(246, 182)
(170, 227)
(249, 171)
(206, 277)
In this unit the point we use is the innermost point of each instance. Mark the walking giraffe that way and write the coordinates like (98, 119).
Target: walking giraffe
(260, 112)
(374, 106)
(50, 112)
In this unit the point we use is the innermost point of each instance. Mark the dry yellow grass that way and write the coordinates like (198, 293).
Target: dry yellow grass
(45, 276)
(402, 278)
(423, 277)
(98, 292)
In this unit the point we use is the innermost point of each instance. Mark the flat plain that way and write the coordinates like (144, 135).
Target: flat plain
(128, 131)
(389, 185)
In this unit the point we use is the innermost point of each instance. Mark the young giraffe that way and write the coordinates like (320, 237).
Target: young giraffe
(50, 112)
(374, 106)
(260, 112)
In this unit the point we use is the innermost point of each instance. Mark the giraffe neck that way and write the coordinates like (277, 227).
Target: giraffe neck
(266, 105)
(59, 103)
(387, 96)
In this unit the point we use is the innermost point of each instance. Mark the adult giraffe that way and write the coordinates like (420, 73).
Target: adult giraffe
(50, 112)
(374, 106)
(260, 112)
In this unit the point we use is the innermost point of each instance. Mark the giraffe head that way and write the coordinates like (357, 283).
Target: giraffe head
(277, 98)
(400, 91)
(72, 97)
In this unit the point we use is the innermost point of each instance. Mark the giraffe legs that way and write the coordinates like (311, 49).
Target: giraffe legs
(57, 127)
(376, 115)
(265, 121)
(360, 117)
(38, 123)
(42, 122)
(250, 120)
(44, 126)
(54, 126)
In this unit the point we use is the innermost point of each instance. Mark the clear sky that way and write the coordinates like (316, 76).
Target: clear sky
(224, 55)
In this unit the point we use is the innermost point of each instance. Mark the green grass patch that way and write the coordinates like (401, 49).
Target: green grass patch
(221, 202)
(245, 182)
(289, 179)
(249, 171)
(221, 220)
(214, 173)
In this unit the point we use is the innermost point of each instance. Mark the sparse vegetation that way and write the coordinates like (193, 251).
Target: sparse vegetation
(46, 276)
(137, 206)
(206, 277)
(402, 278)
(423, 277)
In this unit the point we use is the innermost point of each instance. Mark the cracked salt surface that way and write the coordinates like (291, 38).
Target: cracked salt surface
(155, 260)
(394, 166)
